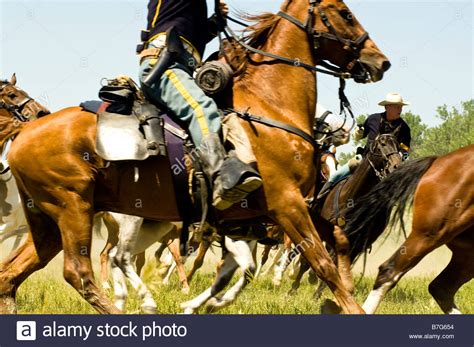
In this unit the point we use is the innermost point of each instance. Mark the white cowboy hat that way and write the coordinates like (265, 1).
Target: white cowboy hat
(393, 99)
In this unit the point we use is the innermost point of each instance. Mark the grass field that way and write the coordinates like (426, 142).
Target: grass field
(47, 292)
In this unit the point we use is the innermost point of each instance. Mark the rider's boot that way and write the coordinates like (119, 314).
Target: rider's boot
(232, 180)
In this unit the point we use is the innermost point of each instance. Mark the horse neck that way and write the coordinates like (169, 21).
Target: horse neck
(361, 181)
(288, 92)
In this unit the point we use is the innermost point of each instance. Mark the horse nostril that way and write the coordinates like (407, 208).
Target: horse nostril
(386, 65)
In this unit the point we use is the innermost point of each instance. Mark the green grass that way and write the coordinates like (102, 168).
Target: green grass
(44, 294)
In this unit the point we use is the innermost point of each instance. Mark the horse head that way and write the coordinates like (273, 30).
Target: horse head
(384, 155)
(340, 39)
(19, 102)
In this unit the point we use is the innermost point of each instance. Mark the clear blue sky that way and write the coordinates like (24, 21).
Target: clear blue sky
(60, 50)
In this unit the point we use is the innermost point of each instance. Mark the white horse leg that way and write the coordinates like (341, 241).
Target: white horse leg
(275, 259)
(281, 267)
(242, 253)
(118, 278)
(225, 271)
(129, 229)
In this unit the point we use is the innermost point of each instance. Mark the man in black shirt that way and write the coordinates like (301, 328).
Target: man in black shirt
(171, 85)
(377, 123)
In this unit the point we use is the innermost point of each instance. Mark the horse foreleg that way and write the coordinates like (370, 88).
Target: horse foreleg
(298, 225)
(242, 253)
(281, 267)
(304, 266)
(112, 239)
(342, 248)
(225, 270)
(159, 252)
(459, 271)
(265, 254)
(203, 247)
(173, 246)
(139, 262)
(275, 260)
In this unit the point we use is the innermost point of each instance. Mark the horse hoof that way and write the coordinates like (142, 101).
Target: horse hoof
(330, 307)
(291, 292)
(185, 290)
(106, 286)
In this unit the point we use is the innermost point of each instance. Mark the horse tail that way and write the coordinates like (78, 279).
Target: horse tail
(371, 214)
(9, 126)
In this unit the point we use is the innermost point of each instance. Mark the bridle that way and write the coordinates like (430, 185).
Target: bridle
(383, 172)
(17, 108)
(353, 46)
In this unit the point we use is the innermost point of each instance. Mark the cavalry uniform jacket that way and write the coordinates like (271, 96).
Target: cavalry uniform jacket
(189, 17)
(377, 123)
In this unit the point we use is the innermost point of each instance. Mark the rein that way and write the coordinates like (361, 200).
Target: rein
(352, 45)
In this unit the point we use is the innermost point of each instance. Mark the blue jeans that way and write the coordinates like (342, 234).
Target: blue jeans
(179, 92)
(340, 174)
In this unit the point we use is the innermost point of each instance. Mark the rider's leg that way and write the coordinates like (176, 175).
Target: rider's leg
(340, 174)
(177, 90)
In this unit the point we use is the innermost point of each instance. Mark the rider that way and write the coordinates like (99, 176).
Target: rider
(377, 123)
(174, 88)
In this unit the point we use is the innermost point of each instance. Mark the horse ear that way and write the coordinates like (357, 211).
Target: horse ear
(13, 79)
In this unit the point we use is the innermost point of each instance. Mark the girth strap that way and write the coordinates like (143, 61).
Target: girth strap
(276, 124)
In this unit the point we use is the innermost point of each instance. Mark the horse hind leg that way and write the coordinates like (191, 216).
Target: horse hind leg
(242, 254)
(130, 228)
(42, 244)
(75, 224)
(459, 271)
(390, 272)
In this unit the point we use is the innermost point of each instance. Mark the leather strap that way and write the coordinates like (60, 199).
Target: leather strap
(276, 124)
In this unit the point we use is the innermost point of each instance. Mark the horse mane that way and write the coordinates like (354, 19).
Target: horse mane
(255, 35)
(370, 215)
(9, 127)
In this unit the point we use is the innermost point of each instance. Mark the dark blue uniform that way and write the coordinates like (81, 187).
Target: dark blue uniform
(377, 123)
(189, 17)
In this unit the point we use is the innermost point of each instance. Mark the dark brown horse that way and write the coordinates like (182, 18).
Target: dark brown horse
(441, 189)
(55, 162)
(382, 158)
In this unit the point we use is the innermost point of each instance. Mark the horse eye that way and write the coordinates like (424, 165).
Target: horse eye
(11, 95)
(347, 15)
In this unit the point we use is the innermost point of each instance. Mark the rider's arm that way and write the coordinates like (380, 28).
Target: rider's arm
(213, 25)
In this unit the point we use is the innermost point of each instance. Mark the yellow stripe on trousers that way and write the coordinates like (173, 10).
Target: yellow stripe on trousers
(158, 6)
(190, 100)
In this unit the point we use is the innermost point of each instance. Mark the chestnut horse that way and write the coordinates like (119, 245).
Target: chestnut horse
(56, 165)
(443, 214)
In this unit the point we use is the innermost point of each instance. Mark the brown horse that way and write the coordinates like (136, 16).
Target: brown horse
(55, 162)
(443, 214)
(381, 159)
